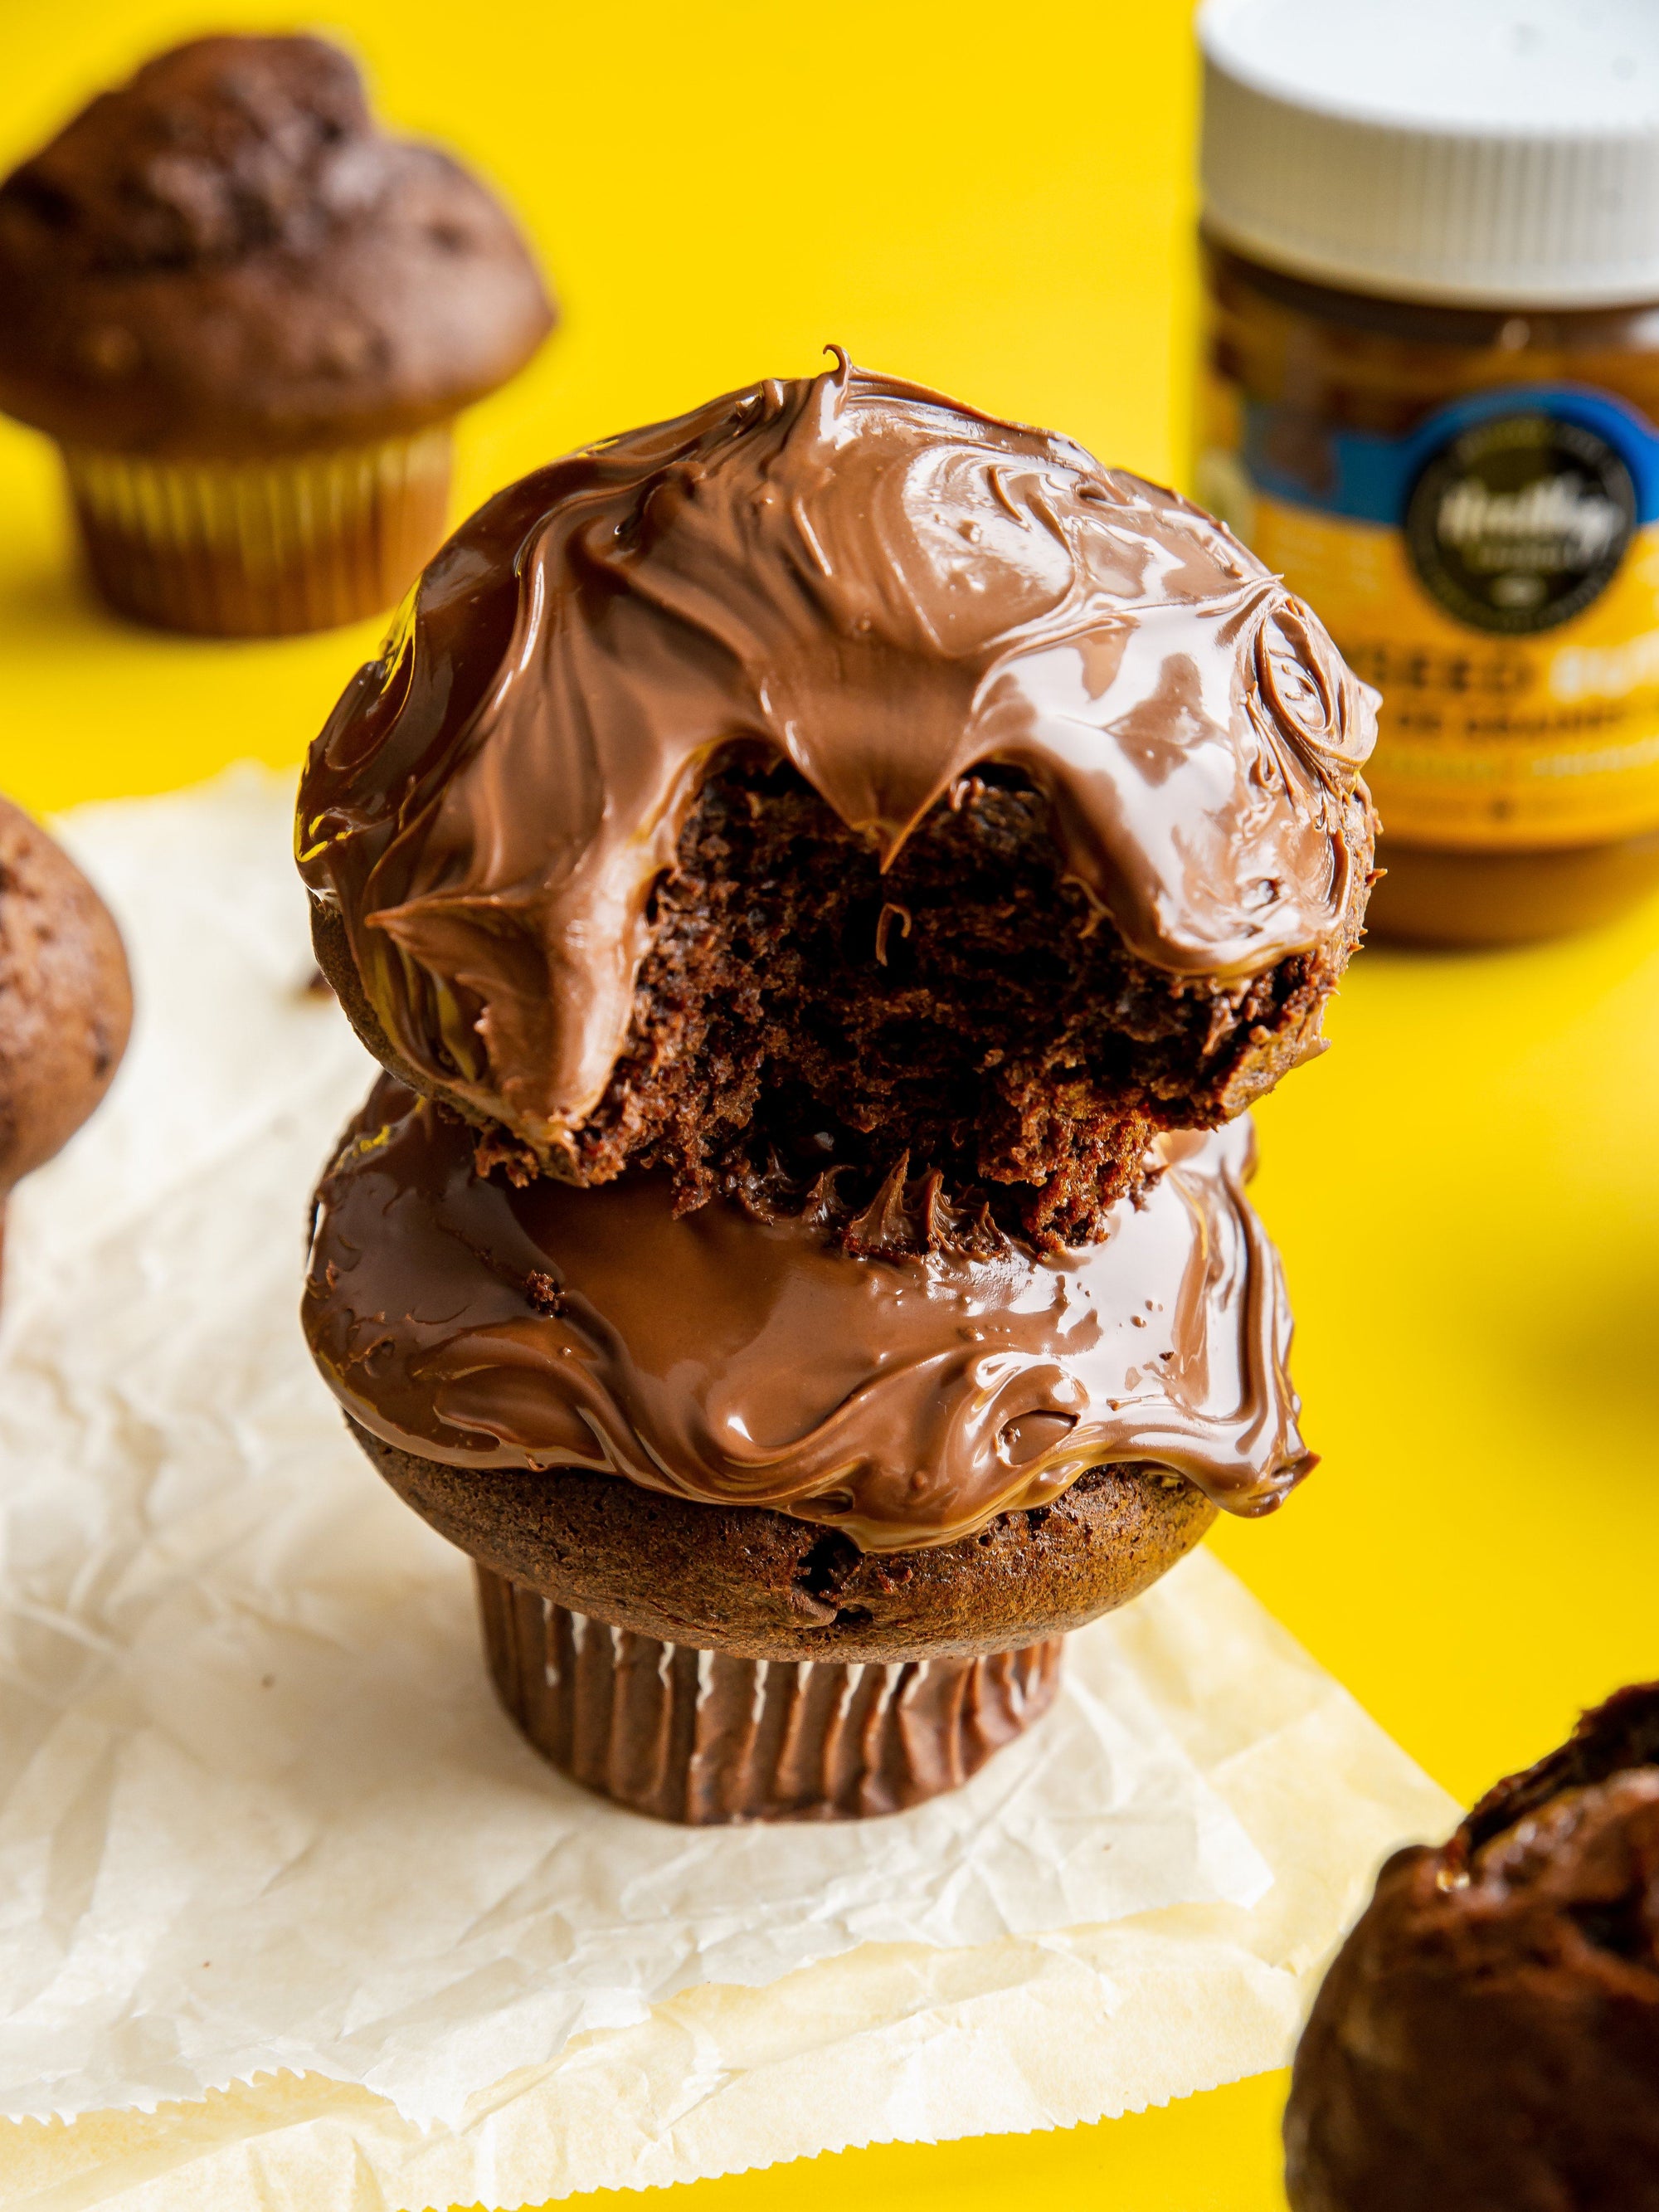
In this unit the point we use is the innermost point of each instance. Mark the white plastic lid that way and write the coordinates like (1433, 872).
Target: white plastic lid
(1497, 152)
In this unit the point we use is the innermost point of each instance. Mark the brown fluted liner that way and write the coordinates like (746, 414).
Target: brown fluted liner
(261, 549)
(703, 1738)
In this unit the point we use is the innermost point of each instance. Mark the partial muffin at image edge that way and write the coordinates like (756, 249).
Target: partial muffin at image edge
(65, 999)
(1488, 2036)
(813, 870)
(248, 319)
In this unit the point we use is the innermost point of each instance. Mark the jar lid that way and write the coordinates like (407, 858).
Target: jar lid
(1491, 152)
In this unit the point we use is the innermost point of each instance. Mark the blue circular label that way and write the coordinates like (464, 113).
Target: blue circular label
(1519, 520)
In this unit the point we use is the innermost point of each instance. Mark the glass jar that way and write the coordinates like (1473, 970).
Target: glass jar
(1428, 395)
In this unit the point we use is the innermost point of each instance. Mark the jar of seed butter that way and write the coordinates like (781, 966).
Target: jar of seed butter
(1429, 395)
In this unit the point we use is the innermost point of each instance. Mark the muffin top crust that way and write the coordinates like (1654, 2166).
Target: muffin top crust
(225, 257)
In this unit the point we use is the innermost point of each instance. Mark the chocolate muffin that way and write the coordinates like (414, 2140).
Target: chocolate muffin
(812, 871)
(248, 318)
(839, 771)
(1488, 2038)
(65, 999)
(722, 1432)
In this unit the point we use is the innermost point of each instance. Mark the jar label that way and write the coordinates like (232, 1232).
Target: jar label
(1495, 573)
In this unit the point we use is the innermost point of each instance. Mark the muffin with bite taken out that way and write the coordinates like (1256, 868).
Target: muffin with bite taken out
(820, 875)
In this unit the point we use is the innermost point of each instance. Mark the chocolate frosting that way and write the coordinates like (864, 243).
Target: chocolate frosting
(882, 585)
(1488, 2038)
(752, 1361)
(225, 257)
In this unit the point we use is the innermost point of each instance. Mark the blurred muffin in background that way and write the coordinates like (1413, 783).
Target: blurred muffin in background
(65, 999)
(249, 319)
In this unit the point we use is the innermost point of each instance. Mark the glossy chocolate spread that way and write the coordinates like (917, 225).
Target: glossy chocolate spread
(750, 1361)
(884, 586)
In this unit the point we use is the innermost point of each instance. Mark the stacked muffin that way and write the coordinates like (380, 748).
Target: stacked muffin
(812, 871)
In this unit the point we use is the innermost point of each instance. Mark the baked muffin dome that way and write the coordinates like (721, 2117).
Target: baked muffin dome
(65, 997)
(225, 257)
(1488, 2038)
(839, 768)
(249, 319)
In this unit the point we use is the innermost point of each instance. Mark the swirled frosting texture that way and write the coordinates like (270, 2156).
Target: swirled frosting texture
(884, 586)
(749, 1361)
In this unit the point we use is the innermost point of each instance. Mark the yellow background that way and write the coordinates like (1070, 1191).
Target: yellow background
(996, 198)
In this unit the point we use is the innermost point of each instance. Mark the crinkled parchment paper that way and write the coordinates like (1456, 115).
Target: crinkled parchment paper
(272, 1859)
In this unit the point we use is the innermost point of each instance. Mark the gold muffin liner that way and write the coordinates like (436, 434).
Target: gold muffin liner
(703, 1738)
(261, 549)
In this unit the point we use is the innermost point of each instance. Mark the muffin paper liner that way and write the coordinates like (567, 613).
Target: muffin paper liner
(260, 549)
(703, 1738)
